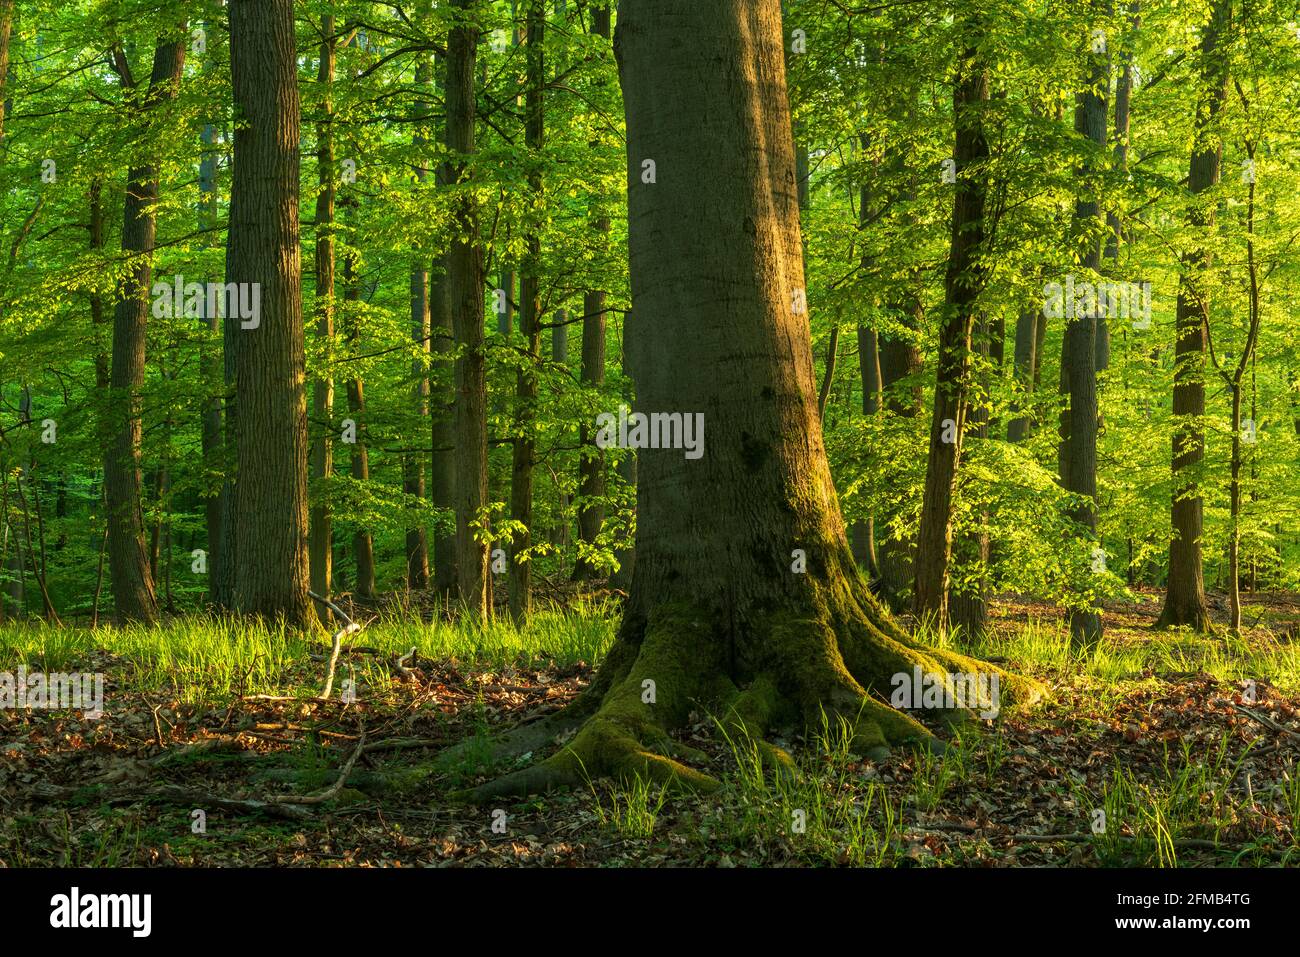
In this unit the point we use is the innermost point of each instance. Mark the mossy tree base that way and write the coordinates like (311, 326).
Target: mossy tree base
(835, 660)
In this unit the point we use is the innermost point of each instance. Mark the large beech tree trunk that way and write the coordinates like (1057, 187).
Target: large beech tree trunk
(717, 612)
(270, 500)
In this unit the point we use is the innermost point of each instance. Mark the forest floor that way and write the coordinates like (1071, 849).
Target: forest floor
(1156, 749)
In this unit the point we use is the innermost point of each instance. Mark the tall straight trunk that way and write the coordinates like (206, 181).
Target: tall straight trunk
(465, 302)
(558, 534)
(1123, 104)
(211, 442)
(320, 535)
(505, 304)
(626, 556)
(900, 361)
(1185, 589)
(1040, 351)
(12, 600)
(271, 573)
(417, 539)
(591, 461)
(716, 611)
(6, 31)
(363, 544)
(963, 282)
(442, 480)
(521, 473)
(1024, 363)
(442, 402)
(862, 535)
(1234, 382)
(1077, 453)
(128, 556)
(968, 606)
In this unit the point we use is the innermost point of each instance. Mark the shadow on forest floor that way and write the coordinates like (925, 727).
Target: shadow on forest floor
(1157, 749)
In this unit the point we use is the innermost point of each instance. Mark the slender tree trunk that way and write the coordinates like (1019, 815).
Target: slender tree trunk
(128, 557)
(363, 545)
(213, 458)
(6, 30)
(271, 568)
(1234, 381)
(1123, 104)
(968, 606)
(442, 485)
(521, 480)
(1078, 445)
(1024, 364)
(465, 303)
(413, 472)
(963, 283)
(862, 535)
(900, 361)
(591, 462)
(1185, 589)
(320, 535)
(442, 401)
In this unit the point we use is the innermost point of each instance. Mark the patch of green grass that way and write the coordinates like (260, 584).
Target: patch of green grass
(1145, 819)
(113, 842)
(583, 631)
(42, 647)
(204, 659)
(633, 808)
(936, 775)
(1124, 653)
(823, 808)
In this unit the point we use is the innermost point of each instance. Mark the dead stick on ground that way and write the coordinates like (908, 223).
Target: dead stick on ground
(1266, 721)
(322, 796)
(173, 794)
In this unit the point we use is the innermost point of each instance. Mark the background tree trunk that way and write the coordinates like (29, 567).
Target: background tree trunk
(321, 530)
(530, 315)
(1078, 446)
(465, 302)
(417, 540)
(128, 556)
(962, 286)
(1185, 589)
(591, 462)
(862, 535)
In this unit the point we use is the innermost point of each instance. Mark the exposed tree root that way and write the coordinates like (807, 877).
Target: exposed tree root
(838, 660)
